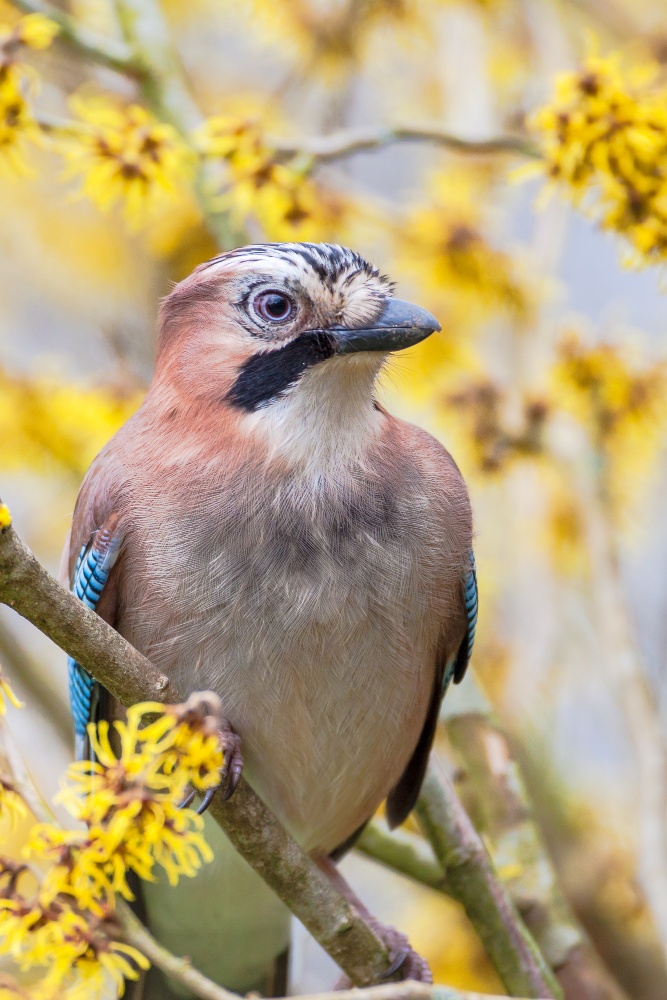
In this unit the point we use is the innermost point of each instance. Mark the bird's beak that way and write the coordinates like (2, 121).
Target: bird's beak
(399, 325)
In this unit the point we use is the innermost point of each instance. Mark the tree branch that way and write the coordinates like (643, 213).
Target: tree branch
(471, 880)
(104, 51)
(180, 970)
(403, 852)
(517, 846)
(338, 145)
(255, 832)
(506, 818)
(625, 670)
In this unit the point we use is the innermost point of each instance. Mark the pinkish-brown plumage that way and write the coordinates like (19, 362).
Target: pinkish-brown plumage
(304, 560)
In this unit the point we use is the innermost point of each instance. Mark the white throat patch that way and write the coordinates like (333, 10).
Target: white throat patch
(327, 421)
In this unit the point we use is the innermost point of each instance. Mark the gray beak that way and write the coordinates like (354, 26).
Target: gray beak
(399, 325)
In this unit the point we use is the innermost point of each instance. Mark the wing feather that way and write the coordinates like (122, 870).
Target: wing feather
(403, 796)
(92, 569)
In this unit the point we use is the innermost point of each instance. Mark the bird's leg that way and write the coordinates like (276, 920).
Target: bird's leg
(405, 962)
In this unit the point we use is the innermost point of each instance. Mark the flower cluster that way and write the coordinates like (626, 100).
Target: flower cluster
(128, 798)
(276, 189)
(623, 407)
(491, 442)
(445, 243)
(564, 532)
(126, 157)
(78, 950)
(34, 31)
(604, 137)
(47, 423)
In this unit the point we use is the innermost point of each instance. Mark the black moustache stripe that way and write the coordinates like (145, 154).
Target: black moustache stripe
(268, 375)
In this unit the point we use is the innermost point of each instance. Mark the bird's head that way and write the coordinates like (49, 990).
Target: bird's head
(282, 329)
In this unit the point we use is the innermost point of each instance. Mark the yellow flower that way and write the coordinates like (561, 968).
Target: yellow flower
(84, 967)
(12, 806)
(129, 802)
(50, 424)
(126, 157)
(622, 406)
(79, 951)
(604, 139)
(488, 438)
(186, 736)
(128, 799)
(36, 31)
(5, 516)
(275, 189)
(445, 244)
(16, 123)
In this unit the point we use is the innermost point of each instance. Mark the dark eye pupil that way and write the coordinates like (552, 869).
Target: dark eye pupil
(273, 305)
(276, 306)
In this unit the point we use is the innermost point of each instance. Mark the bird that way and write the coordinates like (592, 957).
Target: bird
(263, 528)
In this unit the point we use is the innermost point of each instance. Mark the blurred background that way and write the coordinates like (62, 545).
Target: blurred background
(548, 381)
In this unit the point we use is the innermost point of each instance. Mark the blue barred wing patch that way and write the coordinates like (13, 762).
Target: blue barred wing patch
(471, 601)
(92, 570)
(456, 668)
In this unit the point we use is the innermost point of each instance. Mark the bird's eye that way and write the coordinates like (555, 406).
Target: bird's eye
(275, 307)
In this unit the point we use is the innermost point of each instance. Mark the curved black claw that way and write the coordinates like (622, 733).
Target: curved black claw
(405, 962)
(397, 964)
(230, 743)
(187, 801)
(206, 801)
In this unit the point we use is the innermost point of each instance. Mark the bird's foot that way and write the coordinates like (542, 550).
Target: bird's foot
(405, 962)
(232, 769)
(203, 710)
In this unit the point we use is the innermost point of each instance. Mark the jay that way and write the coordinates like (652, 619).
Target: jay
(262, 527)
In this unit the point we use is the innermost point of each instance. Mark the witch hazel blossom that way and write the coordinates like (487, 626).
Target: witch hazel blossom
(128, 800)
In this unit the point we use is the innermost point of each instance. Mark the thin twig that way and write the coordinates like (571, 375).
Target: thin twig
(166, 93)
(56, 125)
(22, 778)
(625, 670)
(33, 682)
(348, 142)
(104, 51)
(472, 881)
(253, 829)
(182, 971)
(584, 857)
(179, 969)
(403, 852)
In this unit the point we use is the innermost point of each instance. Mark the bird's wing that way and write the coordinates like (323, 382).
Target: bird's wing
(91, 584)
(403, 796)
